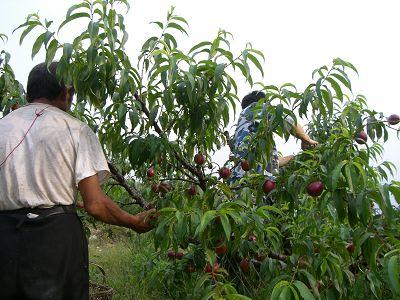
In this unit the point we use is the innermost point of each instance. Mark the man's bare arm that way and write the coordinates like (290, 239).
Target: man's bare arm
(101, 207)
(299, 132)
(284, 160)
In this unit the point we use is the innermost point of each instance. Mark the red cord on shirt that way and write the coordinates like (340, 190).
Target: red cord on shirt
(38, 114)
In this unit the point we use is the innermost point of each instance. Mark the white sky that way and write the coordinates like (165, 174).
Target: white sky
(295, 36)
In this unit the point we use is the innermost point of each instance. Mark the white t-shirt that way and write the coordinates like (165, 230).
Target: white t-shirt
(57, 153)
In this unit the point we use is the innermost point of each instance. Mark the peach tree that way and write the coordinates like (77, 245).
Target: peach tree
(325, 228)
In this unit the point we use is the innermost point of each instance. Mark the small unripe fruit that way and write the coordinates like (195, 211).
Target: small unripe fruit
(245, 165)
(232, 157)
(164, 187)
(315, 188)
(302, 262)
(154, 187)
(252, 238)
(221, 249)
(192, 190)
(260, 257)
(224, 172)
(268, 186)
(179, 255)
(361, 137)
(244, 265)
(199, 159)
(213, 269)
(394, 119)
(151, 172)
(351, 248)
(190, 268)
(171, 254)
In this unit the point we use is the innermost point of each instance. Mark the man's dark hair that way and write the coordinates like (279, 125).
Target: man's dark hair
(42, 83)
(254, 96)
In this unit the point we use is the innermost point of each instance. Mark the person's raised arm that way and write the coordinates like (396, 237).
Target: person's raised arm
(299, 133)
(101, 207)
(284, 160)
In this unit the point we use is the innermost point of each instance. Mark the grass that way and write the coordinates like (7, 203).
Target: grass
(123, 255)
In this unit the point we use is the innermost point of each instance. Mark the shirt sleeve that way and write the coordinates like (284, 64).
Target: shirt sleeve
(90, 158)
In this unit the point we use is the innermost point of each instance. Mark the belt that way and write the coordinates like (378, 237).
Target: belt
(33, 213)
(39, 213)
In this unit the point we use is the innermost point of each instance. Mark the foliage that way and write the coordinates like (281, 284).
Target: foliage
(11, 91)
(171, 104)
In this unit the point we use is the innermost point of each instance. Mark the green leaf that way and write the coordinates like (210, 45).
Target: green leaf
(395, 191)
(336, 173)
(167, 209)
(347, 171)
(255, 61)
(219, 70)
(51, 51)
(178, 27)
(303, 290)
(93, 29)
(153, 114)
(191, 80)
(30, 22)
(205, 220)
(121, 112)
(26, 31)
(199, 45)
(38, 44)
(285, 293)
(336, 87)
(73, 17)
(76, 6)
(345, 82)
(339, 61)
(226, 225)
(161, 25)
(67, 51)
(3, 37)
(393, 272)
(180, 19)
(278, 289)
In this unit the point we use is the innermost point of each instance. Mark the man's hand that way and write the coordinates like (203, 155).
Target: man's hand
(143, 221)
(283, 161)
(101, 207)
(308, 143)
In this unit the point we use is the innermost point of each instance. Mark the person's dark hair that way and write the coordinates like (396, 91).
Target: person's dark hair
(254, 96)
(42, 83)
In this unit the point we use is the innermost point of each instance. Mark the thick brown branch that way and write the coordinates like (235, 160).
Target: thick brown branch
(179, 179)
(131, 190)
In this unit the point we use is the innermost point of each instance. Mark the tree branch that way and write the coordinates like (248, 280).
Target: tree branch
(131, 190)
(280, 257)
(179, 179)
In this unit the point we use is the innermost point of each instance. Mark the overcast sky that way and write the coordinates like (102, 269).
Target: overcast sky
(295, 36)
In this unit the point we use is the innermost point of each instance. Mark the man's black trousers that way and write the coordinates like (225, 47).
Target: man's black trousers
(43, 258)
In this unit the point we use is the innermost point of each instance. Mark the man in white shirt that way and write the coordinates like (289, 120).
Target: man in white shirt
(46, 157)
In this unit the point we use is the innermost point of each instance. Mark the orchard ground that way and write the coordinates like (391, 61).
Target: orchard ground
(122, 254)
